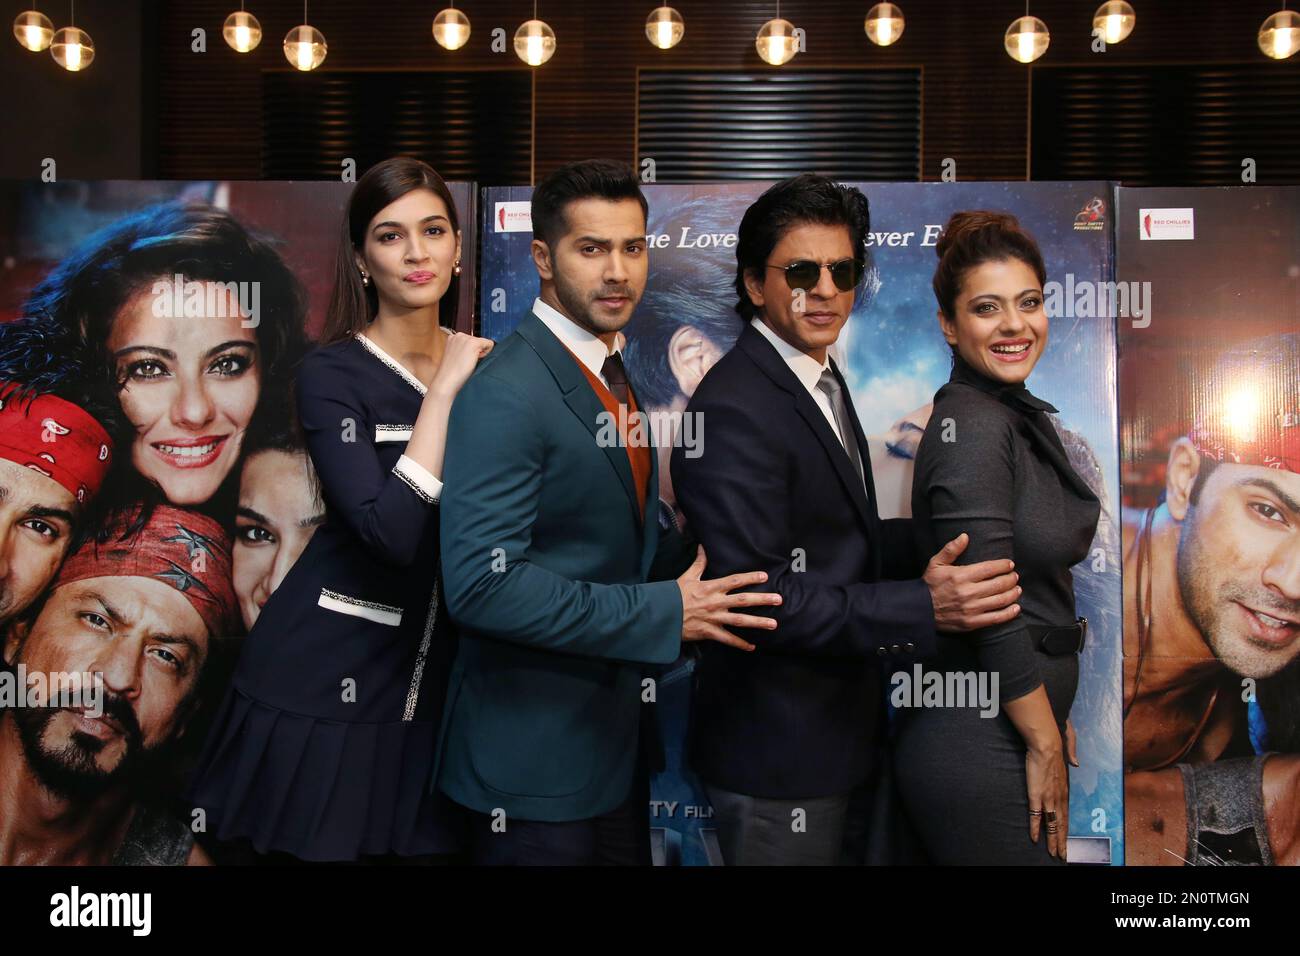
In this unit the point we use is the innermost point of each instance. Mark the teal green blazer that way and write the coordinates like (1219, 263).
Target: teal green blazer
(545, 557)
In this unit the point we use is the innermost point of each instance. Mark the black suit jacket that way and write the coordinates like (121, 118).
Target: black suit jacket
(774, 490)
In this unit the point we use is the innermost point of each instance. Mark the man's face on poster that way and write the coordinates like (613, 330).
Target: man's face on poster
(36, 518)
(1239, 563)
(148, 643)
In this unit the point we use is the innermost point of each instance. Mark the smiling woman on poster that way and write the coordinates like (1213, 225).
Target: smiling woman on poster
(324, 744)
(192, 319)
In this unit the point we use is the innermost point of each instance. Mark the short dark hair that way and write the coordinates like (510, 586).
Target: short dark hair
(587, 179)
(799, 200)
(974, 237)
(1203, 472)
(38, 358)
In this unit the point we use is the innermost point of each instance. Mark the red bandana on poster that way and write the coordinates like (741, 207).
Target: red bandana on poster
(56, 438)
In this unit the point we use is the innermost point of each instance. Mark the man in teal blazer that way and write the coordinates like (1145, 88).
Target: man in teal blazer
(549, 537)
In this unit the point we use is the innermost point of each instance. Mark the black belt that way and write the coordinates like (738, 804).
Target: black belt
(1060, 639)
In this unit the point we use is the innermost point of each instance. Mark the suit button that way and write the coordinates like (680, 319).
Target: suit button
(895, 649)
(881, 651)
(909, 647)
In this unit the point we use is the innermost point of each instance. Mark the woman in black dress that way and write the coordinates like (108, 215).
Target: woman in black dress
(984, 789)
(323, 746)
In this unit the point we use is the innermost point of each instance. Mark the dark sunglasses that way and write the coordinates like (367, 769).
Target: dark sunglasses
(805, 274)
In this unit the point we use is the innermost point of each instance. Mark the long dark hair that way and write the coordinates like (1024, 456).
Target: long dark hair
(353, 306)
(83, 295)
(76, 304)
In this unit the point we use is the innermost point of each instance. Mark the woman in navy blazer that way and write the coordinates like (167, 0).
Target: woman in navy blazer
(324, 744)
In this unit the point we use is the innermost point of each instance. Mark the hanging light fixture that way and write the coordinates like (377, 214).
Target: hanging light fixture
(664, 27)
(71, 47)
(1279, 36)
(884, 24)
(451, 28)
(33, 30)
(241, 30)
(1115, 20)
(534, 40)
(1027, 38)
(304, 45)
(776, 42)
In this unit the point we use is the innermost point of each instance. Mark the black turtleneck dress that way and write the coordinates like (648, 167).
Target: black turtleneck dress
(992, 465)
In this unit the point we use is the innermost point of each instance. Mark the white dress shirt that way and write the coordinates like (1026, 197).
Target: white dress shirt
(806, 369)
(590, 350)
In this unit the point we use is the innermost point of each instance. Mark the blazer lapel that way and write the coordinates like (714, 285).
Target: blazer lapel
(771, 363)
(580, 398)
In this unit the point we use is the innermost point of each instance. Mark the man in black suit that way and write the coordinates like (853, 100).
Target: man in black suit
(783, 736)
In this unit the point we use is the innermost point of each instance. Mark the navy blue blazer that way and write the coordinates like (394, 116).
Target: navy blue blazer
(359, 604)
(774, 490)
(324, 743)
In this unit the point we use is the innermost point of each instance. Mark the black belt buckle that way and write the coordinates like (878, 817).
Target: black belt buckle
(1068, 639)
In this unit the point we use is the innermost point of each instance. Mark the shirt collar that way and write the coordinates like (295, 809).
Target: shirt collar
(590, 350)
(1013, 394)
(806, 368)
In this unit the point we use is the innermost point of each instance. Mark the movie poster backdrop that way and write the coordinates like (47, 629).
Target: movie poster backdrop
(233, 489)
(1209, 391)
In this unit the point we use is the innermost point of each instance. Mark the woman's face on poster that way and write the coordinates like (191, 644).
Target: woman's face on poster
(278, 513)
(189, 385)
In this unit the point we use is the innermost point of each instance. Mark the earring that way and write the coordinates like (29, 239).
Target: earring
(456, 269)
(365, 279)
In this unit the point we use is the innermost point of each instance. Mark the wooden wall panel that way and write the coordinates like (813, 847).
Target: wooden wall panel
(975, 98)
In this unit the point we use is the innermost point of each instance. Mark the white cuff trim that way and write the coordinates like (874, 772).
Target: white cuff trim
(370, 610)
(419, 478)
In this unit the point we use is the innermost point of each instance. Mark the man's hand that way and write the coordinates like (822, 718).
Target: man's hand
(707, 606)
(970, 596)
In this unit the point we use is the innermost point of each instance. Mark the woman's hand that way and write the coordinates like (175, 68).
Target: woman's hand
(1049, 797)
(461, 355)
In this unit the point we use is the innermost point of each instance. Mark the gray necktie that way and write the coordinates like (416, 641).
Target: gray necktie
(830, 385)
